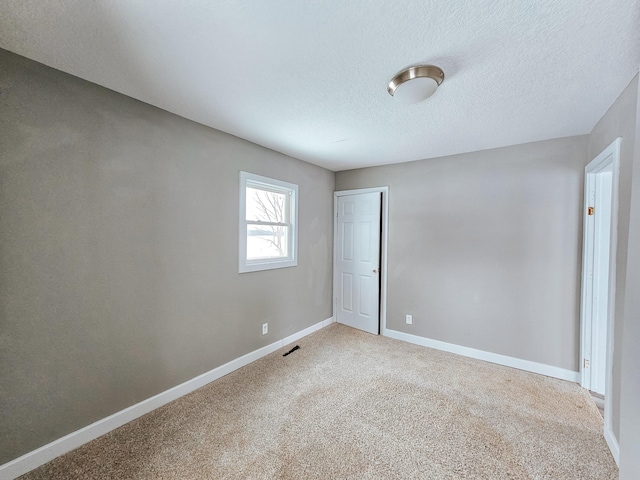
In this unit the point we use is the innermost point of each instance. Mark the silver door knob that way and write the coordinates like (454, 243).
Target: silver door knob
(375, 270)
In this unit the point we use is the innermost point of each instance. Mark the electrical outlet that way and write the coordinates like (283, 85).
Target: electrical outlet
(409, 319)
(265, 328)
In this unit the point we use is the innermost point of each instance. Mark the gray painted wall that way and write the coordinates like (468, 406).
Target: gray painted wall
(619, 121)
(485, 248)
(119, 253)
(630, 379)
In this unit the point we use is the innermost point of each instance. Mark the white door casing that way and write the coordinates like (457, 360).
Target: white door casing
(358, 261)
(598, 277)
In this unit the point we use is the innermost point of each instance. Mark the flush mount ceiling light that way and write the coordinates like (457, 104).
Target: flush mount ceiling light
(414, 84)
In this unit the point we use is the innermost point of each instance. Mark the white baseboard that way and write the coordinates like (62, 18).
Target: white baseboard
(529, 366)
(46, 453)
(612, 443)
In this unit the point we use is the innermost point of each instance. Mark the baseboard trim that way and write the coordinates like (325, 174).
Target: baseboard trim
(46, 453)
(527, 365)
(612, 443)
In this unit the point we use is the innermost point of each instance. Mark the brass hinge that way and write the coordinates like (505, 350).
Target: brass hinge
(591, 210)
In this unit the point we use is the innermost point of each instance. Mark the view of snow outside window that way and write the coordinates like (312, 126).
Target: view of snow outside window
(267, 224)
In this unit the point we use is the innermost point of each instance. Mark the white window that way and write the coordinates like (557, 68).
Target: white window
(268, 223)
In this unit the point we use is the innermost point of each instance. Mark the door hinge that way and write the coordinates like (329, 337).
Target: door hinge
(591, 210)
(585, 363)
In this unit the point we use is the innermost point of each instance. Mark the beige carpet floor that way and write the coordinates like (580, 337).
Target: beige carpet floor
(349, 405)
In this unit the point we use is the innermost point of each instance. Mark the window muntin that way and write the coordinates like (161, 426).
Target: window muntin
(268, 227)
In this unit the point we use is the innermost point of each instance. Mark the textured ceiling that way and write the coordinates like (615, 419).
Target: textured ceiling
(309, 78)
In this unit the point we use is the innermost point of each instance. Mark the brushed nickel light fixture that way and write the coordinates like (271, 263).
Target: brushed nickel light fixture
(414, 84)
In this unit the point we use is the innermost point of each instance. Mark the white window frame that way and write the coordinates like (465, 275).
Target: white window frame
(257, 181)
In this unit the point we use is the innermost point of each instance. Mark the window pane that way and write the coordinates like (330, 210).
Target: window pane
(267, 242)
(266, 206)
(268, 218)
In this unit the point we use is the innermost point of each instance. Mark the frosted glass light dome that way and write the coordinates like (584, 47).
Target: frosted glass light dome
(415, 84)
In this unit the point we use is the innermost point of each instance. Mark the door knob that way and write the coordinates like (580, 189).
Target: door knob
(375, 270)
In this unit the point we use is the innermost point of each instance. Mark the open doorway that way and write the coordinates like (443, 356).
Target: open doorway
(598, 275)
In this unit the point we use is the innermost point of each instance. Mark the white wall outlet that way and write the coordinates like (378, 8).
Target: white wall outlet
(409, 319)
(265, 328)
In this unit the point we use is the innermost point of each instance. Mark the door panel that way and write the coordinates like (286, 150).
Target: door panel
(347, 242)
(365, 296)
(347, 292)
(358, 261)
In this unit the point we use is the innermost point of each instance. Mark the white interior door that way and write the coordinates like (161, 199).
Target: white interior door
(600, 297)
(597, 231)
(358, 261)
